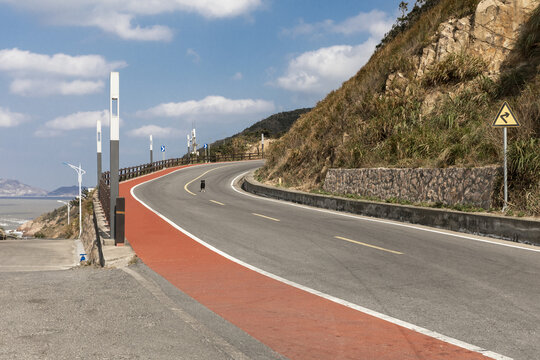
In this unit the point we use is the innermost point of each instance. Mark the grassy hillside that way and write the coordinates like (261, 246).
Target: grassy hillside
(272, 127)
(362, 125)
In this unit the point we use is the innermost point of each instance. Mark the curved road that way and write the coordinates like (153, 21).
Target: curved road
(482, 293)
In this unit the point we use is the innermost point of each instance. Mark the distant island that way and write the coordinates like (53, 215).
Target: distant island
(14, 188)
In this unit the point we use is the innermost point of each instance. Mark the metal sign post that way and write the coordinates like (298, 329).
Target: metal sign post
(505, 119)
(505, 141)
(163, 152)
(205, 152)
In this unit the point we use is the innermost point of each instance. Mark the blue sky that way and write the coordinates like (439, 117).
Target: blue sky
(220, 64)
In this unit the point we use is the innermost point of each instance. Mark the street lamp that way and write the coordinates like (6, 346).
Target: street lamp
(80, 173)
(114, 140)
(67, 204)
(151, 149)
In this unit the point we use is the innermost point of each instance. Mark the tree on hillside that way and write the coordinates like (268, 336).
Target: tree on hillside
(403, 7)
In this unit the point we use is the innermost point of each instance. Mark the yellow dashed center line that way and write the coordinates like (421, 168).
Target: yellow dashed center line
(217, 202)
(266, 217)
(368, 245)
(198, 177)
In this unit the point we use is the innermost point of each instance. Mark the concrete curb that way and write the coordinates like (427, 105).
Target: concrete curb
(508, 228)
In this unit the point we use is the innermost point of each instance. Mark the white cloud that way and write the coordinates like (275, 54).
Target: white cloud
(79, 120)
(11, 119)
(28, 87)
(121, 25)
(154, 130)
(375, 23)
(58, 74)
(117, 17)
(238, 76)
(325, 69)
(210, 105)
(47, 133)
(194, 56)
(25, 62)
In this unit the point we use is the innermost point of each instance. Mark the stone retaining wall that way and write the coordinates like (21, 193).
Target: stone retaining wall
(503, 227)
(450, 186)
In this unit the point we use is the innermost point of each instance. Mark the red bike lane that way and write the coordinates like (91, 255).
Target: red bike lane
(291, 321)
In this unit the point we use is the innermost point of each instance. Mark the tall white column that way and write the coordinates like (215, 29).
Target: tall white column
(98, 140)
(114, 115)
(151, 150)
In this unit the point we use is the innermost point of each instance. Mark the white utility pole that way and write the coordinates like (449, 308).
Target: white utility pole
(194, 141)
(80, 173)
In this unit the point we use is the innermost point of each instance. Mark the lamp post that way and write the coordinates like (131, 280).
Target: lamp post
(98, 138)
(67, 204)
(80, 173)
(151, 150)
(262, 145)
(114, 114)
(188, 148)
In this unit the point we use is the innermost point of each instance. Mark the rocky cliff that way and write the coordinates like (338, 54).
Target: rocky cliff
(427, 98)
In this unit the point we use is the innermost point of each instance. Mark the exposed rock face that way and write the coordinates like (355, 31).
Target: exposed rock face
(491, 36)
(496, 28)
(452, 37)
(396, 83)
(450, 186)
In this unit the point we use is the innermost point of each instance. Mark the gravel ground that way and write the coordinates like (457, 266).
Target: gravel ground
(93, 313)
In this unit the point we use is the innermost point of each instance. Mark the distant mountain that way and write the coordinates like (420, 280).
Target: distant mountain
(275, 125)
(9, 187)
(67, 191)
(272, 127)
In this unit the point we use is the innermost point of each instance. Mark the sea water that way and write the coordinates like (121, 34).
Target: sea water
(16, 211)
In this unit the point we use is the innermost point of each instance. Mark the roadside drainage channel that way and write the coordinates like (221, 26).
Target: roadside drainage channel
(507, 228)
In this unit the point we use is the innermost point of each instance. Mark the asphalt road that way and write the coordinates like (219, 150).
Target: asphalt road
(482, 293)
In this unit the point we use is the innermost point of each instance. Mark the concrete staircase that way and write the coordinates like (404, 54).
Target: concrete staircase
(103, 225)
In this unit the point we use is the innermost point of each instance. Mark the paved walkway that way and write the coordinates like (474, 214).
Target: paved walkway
(93, 313)
(37, 255)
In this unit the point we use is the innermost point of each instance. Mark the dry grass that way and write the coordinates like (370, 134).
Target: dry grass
(360, 125)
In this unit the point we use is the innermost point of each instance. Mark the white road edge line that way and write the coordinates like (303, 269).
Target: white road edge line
(365, 218)
(362, 309)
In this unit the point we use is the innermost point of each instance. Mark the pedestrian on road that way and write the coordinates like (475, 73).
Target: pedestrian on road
(203, 186)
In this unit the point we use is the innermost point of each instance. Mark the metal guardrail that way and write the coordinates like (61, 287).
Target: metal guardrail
(139, 170)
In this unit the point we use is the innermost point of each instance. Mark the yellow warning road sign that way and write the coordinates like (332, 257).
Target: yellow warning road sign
(505, 117)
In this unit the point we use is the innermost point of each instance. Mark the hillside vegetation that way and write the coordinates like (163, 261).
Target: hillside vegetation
(388, 116)
(272, 127)
(53, 225)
